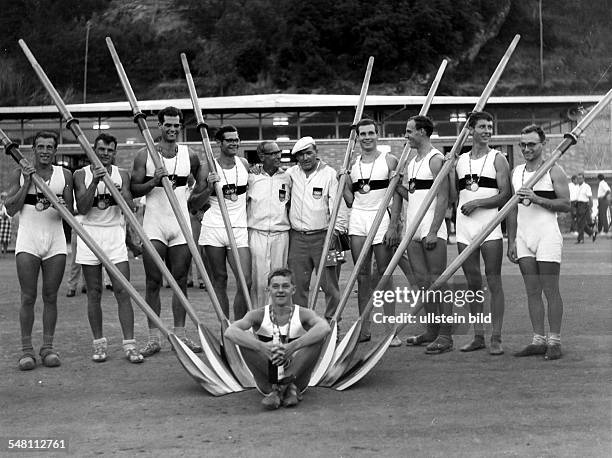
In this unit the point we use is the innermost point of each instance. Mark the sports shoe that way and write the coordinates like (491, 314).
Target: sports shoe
(50, 357)
(150, 348)
(194, 347)
(99, 354)
(476, 344)
(272, 401)
(133, 356)
(27, 362)
(532, 349)
(442, 344)
(496, 347)
(395, 342)
(553, 352)
(290, 397)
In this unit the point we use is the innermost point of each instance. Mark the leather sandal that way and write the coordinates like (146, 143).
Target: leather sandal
(27, 361)
(50, 357)
(441, 345)
(419, 340)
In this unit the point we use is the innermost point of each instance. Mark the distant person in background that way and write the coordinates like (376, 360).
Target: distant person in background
(5, 225)
(603, 196)
(584, 198)
(535, 243)
(40, 245)
(573, 190)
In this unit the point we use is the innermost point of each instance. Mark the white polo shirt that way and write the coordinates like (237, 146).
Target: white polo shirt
(267, 200)
(312, 197)
(583, 193)
(602, 189)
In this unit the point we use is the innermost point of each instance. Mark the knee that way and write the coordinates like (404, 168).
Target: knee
(94, 294)
(153, 284)
(28, 299)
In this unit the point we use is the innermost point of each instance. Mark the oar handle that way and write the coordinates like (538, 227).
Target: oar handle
(217, 186)
(184, 225)
(341, 182)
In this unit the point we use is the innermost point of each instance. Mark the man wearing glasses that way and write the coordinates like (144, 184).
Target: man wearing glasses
(160, 223)
(535, 242)
(232, 173)
(482, 178)
(268, 197)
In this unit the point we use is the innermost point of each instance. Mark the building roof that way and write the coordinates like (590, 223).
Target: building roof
(285, 102)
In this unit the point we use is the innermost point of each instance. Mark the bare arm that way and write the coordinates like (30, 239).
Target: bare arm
(138, 185)
(67, 194)
(16, 193)
(317, 330)
(238, 333)
(435, 164)
(202, 188)
(560, 184)
(392, 236)
(511, 226)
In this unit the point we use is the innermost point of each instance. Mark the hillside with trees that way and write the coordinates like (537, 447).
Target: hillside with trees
(303, 46)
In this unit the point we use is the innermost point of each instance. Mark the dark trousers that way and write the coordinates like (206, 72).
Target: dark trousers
(583, 220)
(304, 256)
(602, 216)
(574, 204)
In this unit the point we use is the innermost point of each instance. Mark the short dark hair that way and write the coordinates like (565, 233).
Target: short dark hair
(280, 272)
(45, 134)
(169, 111)
(219, 135)
(476, 116)
(106, 138)
(534, 128)
(423, 122)
(366, 122)
(601, 177)
(261, 148)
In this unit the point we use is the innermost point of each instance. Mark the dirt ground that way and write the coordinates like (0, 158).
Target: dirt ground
(411, 404)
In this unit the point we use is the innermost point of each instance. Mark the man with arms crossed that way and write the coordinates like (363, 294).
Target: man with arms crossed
(104, 222)
(535, 242)
(160, 223)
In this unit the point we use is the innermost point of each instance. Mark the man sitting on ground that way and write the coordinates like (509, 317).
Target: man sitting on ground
(287, 346)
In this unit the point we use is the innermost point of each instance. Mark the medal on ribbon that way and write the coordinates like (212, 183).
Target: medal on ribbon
(411, 185)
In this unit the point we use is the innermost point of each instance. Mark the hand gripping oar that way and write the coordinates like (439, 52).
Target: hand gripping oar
(357, 372)
(192, 364)
(361, 369)
(213, 168)
(329, 357)
(345, 165)
(216, 363)
(233, 355)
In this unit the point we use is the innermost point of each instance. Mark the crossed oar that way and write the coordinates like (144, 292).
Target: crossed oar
(327, 376)
(346, 378)
(213, 361)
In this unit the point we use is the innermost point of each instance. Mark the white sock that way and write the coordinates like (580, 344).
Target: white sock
(100, 341)
(154, 335)
(554, 339)
(538, 340)
(128, 344)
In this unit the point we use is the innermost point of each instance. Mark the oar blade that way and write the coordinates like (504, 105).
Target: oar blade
(343, 356)
(236, 361)
(364, 365)
(215, 360)
(198, 370)
(326, 355)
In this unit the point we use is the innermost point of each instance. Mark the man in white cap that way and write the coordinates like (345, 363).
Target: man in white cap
(314, 186)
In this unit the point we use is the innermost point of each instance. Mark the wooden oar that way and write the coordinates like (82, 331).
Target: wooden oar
(210, 159)
(201, 372)
(352, 335)
(345, 165)
(235, 360)
(216, 363)
(357, 373)
(360, 369)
